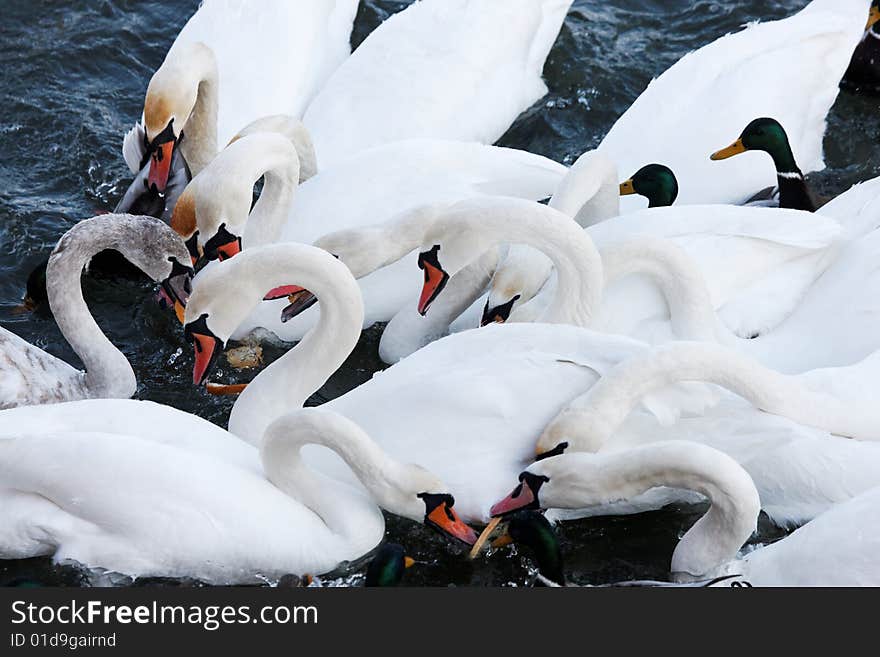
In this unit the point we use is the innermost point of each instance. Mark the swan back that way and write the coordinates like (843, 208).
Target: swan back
(709, 95)
(272, 57)
(838, 548)
(449, 69)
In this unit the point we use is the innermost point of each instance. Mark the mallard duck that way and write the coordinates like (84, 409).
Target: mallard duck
(656, 182)
(388, 566)
(768, 135)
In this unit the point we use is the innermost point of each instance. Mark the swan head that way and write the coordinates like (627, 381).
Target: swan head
(559, 482)
(764, 134)
(443, 254)
(160, 254)
(170, 103)
(171, 97)
(146, 242)
(582, 431)
(412, 492)
(655, 182)
(198, 213)
(212, 214)
(227, 292)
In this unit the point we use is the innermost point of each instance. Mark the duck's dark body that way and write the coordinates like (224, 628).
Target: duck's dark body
(863, 74)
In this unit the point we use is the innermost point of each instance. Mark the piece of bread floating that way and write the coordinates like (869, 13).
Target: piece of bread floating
(245, 357)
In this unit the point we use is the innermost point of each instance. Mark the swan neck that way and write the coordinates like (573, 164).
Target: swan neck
(572, 252)
(287, 383)
(269, 215)
(108, 374)
(200, 144)
(734, 503)
(342, 508)
(678, 278)
(591, 420)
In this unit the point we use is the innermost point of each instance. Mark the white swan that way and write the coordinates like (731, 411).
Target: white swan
(204, 207)
(458, 234)
(735, 247)
(814, 555)
(800, 466)
(448, 69)
(788, 69)
(427, 409)
(754, 269)
(169, 511)
(30, 375)
(236, 61)
(589, 194)
(165, 444)
(348, 200)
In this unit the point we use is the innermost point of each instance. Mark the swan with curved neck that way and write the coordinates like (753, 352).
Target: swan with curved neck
(577, 481)
(590, 421)
(213, 212)
(183, 96)
(416, 172)
(163, 496)
(589, 194)
(35, 377)
(469, 229)
(814, 555)
(226, 294)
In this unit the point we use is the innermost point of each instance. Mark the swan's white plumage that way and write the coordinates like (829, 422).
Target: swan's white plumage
(838, 548)
(763, 305)
(29, 375)
(838, 320)
(272, 57)
(800, 471)
(454, 407)
(134, 148)
(450, 69)
(734, 247)
(113, 507)
(376, 185)
(457, 406)
(708, 97)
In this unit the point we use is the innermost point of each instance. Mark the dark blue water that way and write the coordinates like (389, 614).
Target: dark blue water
(73, 80)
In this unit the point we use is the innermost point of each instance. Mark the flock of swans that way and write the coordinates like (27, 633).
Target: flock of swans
(690, 333)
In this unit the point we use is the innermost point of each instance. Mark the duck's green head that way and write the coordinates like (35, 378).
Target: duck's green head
(388, 566)
(655, 182)
(763, 134)
(532, 529)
